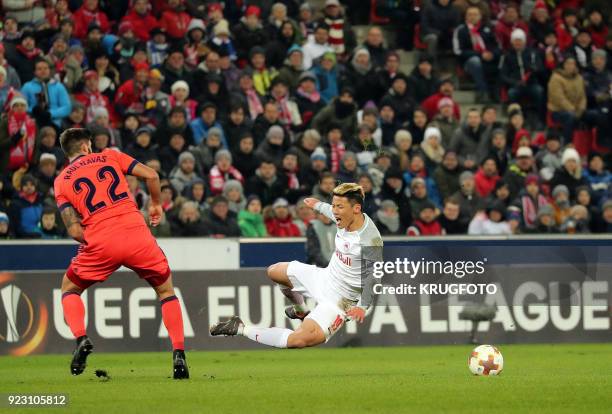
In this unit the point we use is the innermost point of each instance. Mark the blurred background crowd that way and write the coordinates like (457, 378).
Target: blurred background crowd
(457, 117)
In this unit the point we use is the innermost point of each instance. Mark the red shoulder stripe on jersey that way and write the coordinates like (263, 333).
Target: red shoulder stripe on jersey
(64, 206)
(131, 167)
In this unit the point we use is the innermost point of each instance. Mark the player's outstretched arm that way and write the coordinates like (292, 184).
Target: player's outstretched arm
(152, 181)
(73, 224)
(320, 207)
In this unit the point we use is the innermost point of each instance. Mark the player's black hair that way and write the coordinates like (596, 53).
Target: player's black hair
(72, 138)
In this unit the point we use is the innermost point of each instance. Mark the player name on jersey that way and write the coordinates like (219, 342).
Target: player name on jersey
(76, 164)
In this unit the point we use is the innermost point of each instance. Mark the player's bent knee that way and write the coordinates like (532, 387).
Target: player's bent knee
(278, 272)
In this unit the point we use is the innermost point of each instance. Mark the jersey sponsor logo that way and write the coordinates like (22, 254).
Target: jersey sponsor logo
(344, 259)
(347, 246)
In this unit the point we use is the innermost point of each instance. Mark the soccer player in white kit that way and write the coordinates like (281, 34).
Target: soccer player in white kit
(342, 290)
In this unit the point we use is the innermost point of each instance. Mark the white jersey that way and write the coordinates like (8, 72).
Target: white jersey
(354, 255)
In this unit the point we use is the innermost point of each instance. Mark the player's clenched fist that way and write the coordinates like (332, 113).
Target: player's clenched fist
(311, 202)
(155, 214)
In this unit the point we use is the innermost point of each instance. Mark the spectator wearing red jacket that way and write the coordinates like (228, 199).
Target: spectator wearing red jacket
(567, 29)
(142, 20)
(87, 14)
(509, 21)
(175, 21)
(281, 224)
(222, 171)
(486, 177)
(92, 99)
(427, 224)
(130, 94)
(445, 90)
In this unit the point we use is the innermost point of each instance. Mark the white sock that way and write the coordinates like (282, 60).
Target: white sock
(276, 337)
(295, 297)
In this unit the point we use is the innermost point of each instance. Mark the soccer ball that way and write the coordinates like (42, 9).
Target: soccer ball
(486, 360)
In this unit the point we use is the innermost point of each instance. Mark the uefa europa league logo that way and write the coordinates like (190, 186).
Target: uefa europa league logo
(26, 322)
(10, 296)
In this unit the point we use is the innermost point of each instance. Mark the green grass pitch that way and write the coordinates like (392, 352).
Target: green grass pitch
(536, 378)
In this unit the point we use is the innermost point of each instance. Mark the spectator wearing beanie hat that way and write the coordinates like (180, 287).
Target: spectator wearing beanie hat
(180, 97)
(445, 121)
(519, 69)
(250, 220)
(273, 146)
(540, 24)
(222, 171)
(46, 174)
(244, 155)
(432, 148)
(516, 173)
(308, 98)
(561, 202)
(234, 193)
(221, 41)
(293, 67)
(313, 169)
(184, 172)
(570, 173)
(326, 72)
(249, 33)
(18, 139)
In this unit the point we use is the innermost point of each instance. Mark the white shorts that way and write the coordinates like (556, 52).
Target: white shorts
(313, 282)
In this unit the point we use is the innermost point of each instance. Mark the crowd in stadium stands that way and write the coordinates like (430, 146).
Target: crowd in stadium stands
(247, 107)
